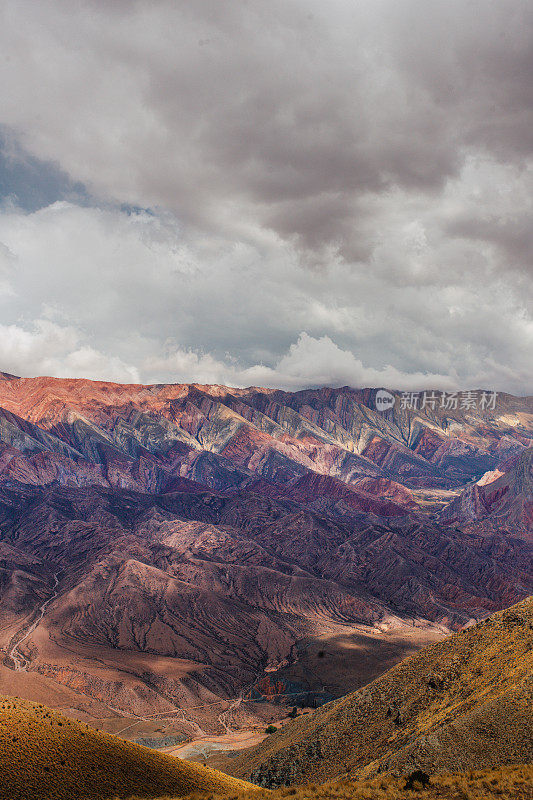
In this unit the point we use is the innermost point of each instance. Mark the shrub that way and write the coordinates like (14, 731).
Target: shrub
(415, 777)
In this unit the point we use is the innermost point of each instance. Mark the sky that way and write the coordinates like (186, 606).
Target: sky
(285, 193)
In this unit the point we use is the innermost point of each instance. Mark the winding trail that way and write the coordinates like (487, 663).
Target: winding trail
(20, 662)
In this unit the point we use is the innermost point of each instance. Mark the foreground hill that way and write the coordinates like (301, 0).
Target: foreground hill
(46, 755)
(461, 704)
(511, 783)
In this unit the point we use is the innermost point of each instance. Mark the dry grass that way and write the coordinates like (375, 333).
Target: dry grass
(505, 783)
(45, 756)
(464, 703)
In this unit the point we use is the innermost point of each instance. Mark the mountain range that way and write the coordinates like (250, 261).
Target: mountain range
(201, 554)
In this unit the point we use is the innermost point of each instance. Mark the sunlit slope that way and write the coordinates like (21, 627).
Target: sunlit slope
(505, 783)
(464, 703)
(46, 755)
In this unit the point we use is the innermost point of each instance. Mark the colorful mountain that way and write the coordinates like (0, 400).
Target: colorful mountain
(165, 549)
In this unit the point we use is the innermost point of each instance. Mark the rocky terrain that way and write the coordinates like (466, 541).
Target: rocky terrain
(198, 554)
(500, 500)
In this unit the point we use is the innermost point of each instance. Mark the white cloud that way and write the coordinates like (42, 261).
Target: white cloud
(341, 192)
(312, 362)
(49, 349)
(133, 296)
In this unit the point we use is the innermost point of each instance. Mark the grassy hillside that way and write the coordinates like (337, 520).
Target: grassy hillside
(461, 704)
(506, 783)
(44, 756)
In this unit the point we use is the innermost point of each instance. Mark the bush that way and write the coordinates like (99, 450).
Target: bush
(417, 777)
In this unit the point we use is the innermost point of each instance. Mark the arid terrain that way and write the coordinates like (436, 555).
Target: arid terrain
(46, 755)
(462, 704)
(452, 722)
(511, 783)
(183, 561)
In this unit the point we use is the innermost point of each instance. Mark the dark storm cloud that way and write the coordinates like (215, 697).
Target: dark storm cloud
(261, 105)
(331, 181)
(513, 235)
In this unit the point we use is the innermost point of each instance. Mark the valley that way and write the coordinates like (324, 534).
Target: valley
(452, 721)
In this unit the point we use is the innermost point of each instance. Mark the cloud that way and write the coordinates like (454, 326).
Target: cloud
(49, 349)
(311, 362)
(129, 296)
(287, 117)
(319, 362)
(293, 193)
(6, 264)
(133, 282)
